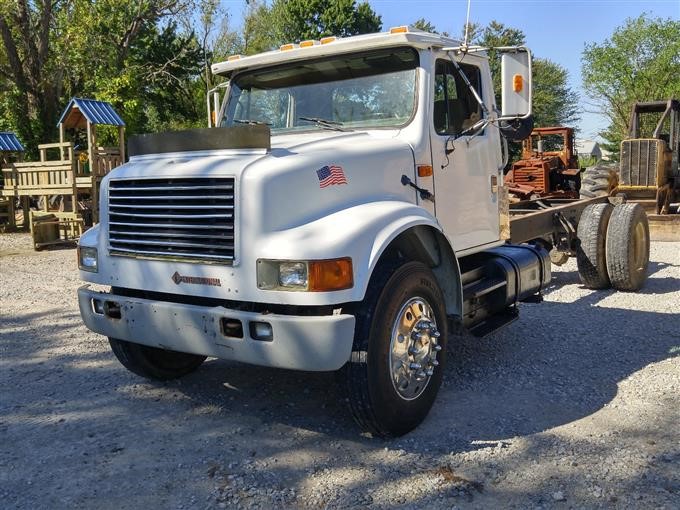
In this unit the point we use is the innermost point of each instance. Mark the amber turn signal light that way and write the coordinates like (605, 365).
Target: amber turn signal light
(424, 171)
(328, 275)
(517, 83)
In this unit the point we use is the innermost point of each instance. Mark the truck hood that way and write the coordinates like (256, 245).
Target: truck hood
(287, 178)
(235, 161)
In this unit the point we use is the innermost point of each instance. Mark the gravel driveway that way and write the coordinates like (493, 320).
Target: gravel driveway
(577, 404)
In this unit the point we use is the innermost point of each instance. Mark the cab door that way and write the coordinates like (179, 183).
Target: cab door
(467, 169)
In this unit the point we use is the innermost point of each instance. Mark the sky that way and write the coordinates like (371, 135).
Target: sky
(555, 29)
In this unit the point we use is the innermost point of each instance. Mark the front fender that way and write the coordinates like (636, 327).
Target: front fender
(361, 232)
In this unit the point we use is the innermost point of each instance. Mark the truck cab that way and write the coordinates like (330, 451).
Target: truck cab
(344, 211)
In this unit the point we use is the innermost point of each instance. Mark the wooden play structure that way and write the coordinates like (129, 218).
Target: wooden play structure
(66, 180)
(11, 151)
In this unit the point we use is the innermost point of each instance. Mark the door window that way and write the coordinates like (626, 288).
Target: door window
(455, 107)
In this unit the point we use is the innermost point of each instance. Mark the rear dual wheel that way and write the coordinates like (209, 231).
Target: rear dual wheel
(628, 247)
(613, 246)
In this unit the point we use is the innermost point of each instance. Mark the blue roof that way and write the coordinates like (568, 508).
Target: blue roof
(96, 112)
(10, 143)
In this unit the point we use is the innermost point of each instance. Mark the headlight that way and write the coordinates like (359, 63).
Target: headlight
(305, 275)
(293, 274)
(87, 259)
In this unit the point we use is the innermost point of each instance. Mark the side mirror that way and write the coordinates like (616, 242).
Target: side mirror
(516, 83)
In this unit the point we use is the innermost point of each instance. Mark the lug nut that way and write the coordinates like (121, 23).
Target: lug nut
(429, 372)
(420, 375)
(437, 347)
(415, 366)
(435, 333)
(434, 363)
(423, 325)
(412, 350)
(416, 336)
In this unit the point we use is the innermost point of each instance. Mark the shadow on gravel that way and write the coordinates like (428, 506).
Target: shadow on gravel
(113, 431)
(653, 285)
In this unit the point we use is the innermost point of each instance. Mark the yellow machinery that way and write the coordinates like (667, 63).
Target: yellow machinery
(650, 156)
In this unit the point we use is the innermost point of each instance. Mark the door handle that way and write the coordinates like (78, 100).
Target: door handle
(494, 183)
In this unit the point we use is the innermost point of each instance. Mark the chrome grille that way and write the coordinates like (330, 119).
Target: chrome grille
(190, 219)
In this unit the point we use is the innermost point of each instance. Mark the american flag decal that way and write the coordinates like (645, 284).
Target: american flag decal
(331, 174)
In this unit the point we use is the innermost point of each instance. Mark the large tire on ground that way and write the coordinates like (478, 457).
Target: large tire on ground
(154, 363)
(399, 350)
(591, 250)
(628, 247)
(598, 181)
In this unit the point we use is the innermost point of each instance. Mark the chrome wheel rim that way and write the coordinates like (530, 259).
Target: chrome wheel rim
(414, 347)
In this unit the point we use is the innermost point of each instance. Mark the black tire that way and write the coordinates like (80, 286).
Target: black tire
(628, 247)
(591, 250)
(367, 379)
(598, 181)
(154, 363)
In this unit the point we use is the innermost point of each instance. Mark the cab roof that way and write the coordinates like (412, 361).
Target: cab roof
(400, 36)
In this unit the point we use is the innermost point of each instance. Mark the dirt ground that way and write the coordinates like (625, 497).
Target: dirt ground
(576, 405)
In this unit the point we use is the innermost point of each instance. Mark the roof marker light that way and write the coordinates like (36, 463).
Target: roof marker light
(399, 30)
(326, 40)
(307, 44)
(286, 47)
(233, 57)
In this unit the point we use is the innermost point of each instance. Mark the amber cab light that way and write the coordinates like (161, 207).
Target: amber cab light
(424, 171)
(287, 47)
(399, 30)
(326, 40)
(307, 44)
(328, 275)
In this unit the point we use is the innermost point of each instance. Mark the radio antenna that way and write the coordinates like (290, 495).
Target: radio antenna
(467, 27)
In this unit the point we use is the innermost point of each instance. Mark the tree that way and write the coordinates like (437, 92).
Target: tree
(124, 51)
(554, 102)
(26, 64)
(297, 20)
(424, 25)
(640, 62)
(260, 31)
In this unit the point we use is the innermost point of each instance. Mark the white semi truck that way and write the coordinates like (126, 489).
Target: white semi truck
(344, 211)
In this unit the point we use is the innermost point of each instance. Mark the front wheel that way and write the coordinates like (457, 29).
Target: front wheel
(399, 350)
(154, 363)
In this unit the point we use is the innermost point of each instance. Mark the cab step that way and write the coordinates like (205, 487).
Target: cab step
(494, 322)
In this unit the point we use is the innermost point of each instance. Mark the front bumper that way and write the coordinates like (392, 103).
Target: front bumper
(318, 343)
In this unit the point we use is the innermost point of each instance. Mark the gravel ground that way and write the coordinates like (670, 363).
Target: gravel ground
(577, 404)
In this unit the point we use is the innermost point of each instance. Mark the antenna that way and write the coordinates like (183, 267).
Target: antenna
(467, 27)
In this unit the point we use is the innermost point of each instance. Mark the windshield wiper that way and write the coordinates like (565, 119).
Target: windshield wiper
(325, 123)
(252, 122)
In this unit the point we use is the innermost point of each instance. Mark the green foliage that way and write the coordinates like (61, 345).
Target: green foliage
(587, 161)
(298, 20)
(128, 52)
(554, 102)
(640, 62)
(424, 25)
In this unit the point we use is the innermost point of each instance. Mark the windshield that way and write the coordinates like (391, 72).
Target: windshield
(369, 89)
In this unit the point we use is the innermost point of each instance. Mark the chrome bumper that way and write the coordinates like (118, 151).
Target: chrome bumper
(318, 343)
